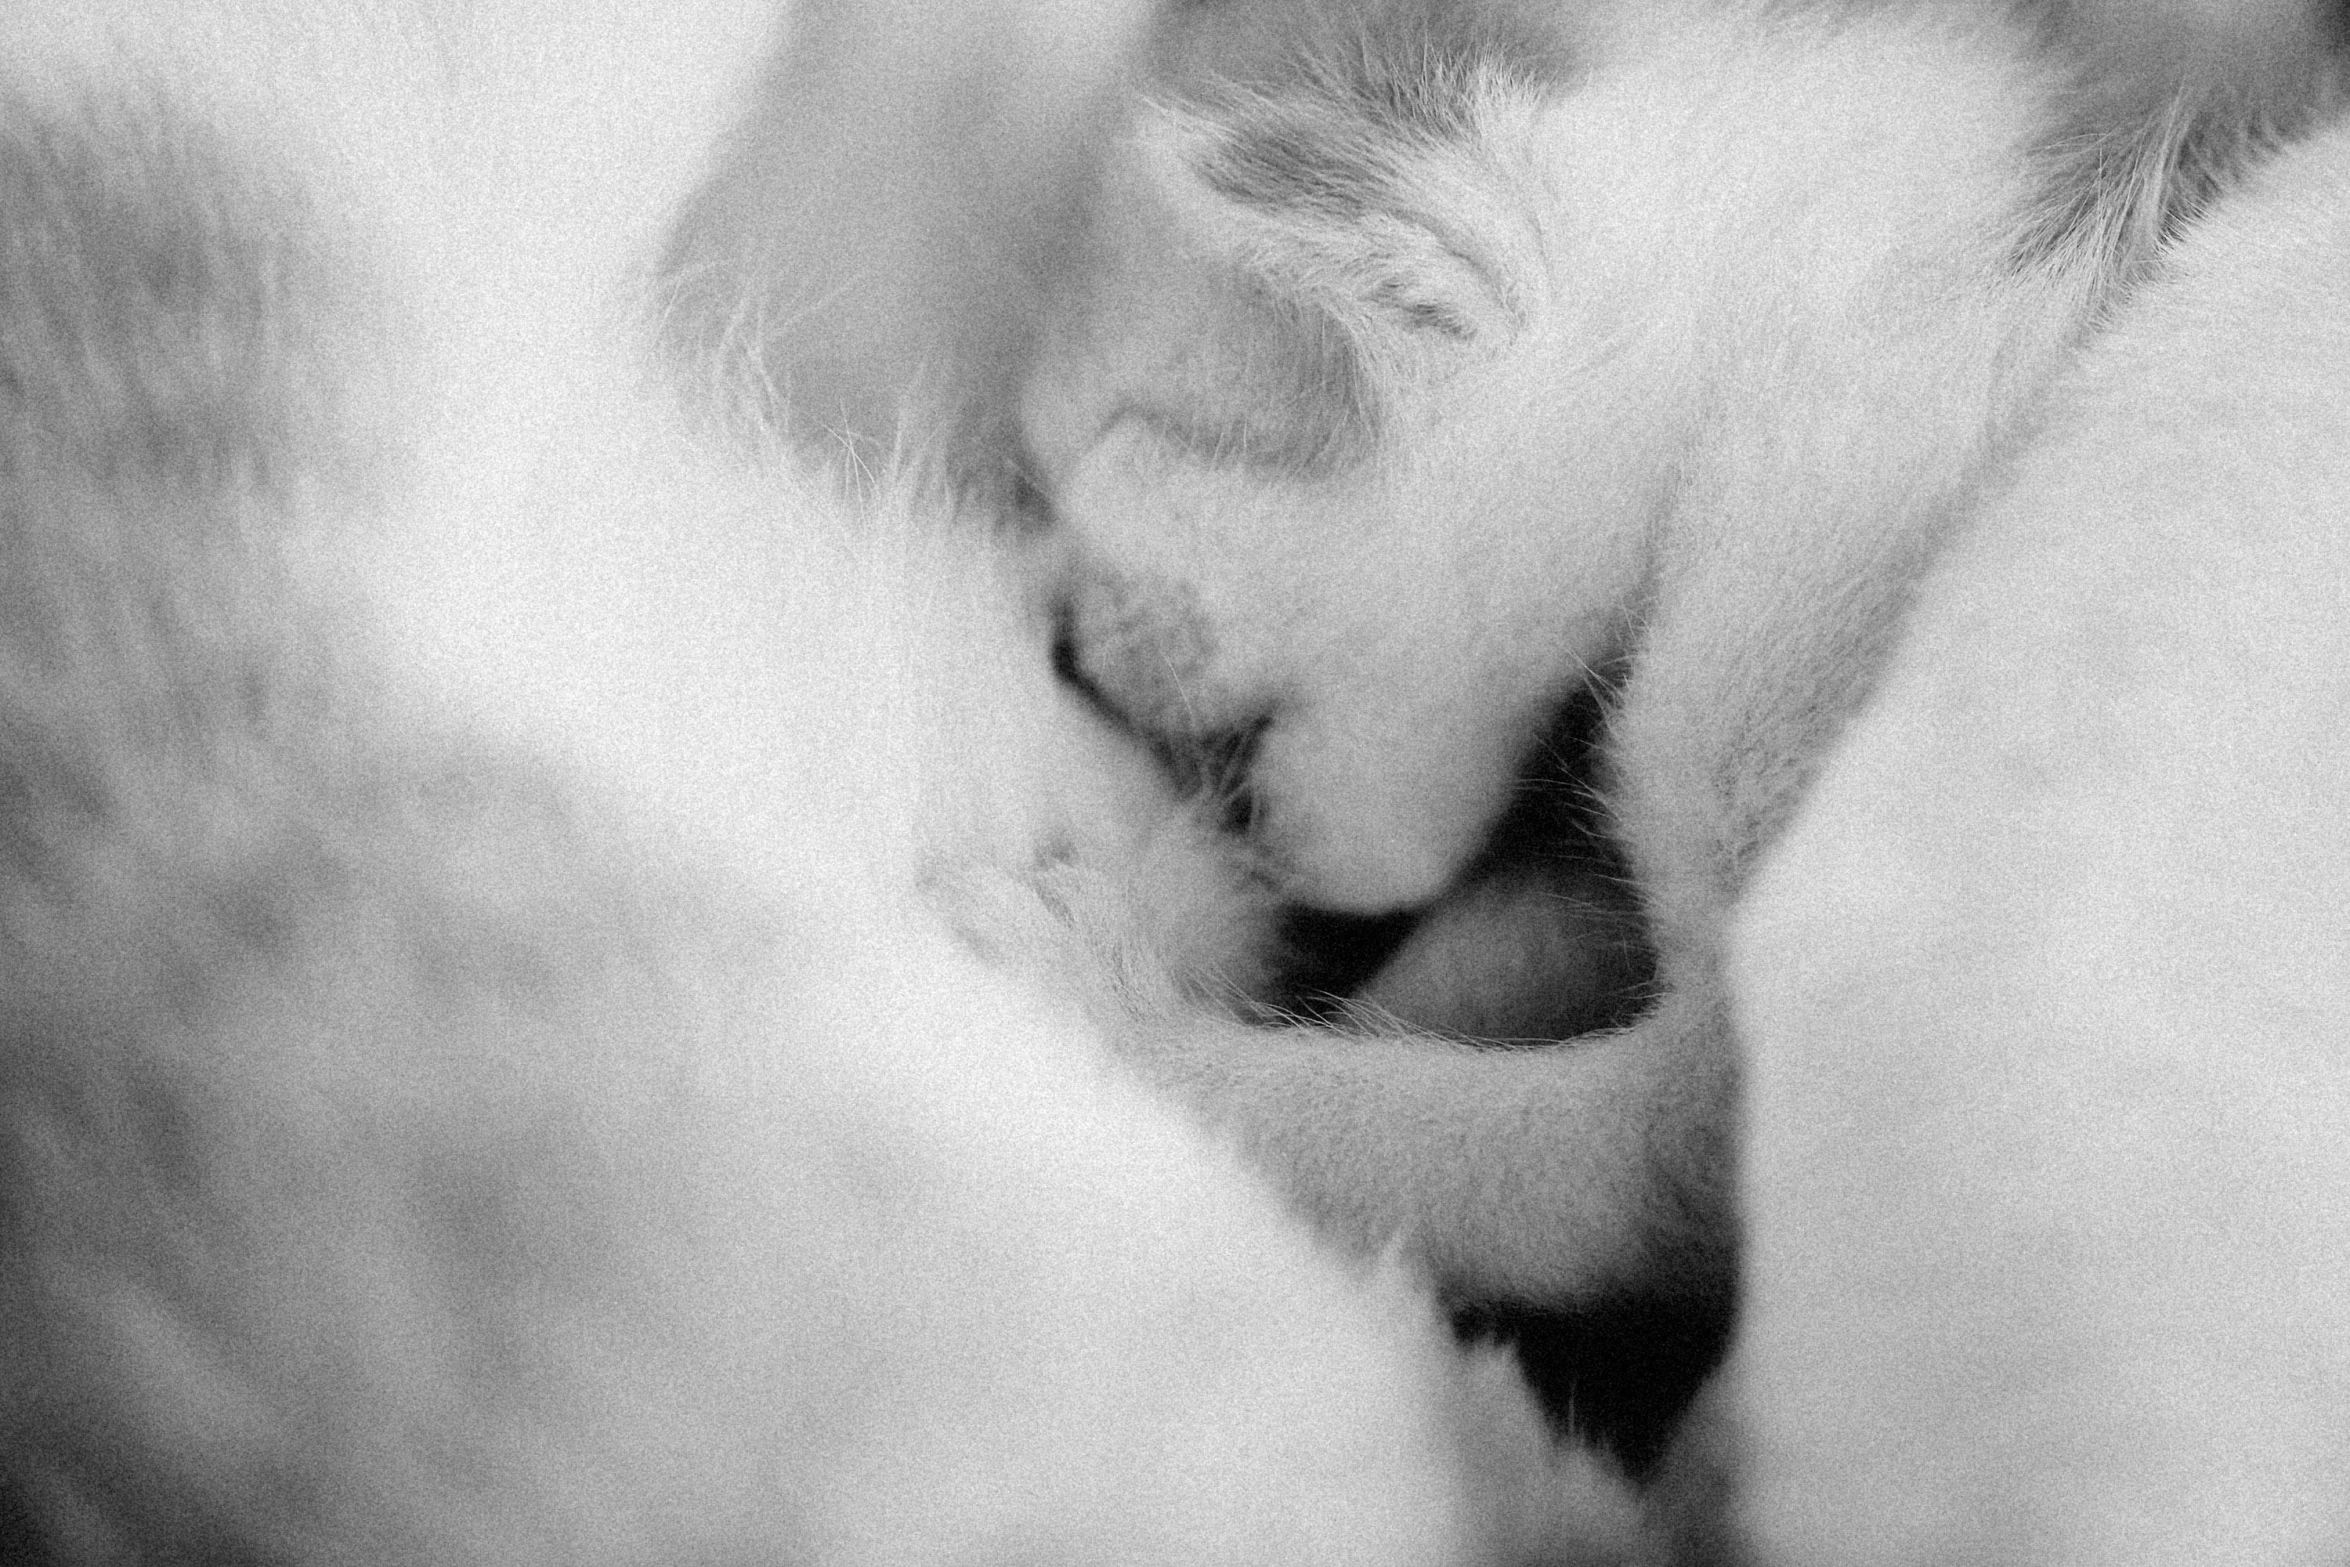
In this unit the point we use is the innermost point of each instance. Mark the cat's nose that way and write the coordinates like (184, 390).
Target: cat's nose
(1141, 648)
(1205, 760)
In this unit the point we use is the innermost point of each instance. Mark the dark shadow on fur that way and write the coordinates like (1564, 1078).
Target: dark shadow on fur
(1328, 957)
(1622, 1374)
(1553, 855)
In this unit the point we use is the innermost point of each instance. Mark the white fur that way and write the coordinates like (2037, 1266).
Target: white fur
(2045, 998)
(2041, 1007)
(1756, 327)
(714, 1196)
(1689, 316)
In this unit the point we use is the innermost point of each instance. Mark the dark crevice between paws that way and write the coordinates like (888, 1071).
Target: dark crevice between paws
(1621, 1374)
(1326, 958)
(1568, 902)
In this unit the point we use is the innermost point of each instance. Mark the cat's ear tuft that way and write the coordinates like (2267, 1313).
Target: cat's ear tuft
(1408, 243)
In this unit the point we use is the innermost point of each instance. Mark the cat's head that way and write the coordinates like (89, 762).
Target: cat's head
(1303, 439)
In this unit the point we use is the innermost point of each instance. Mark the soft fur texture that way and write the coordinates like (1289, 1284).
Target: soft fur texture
(1627, 378)
(564, 963)
(1688, 347)
(523, 1036)
(2045, 1000)
(1684, 347)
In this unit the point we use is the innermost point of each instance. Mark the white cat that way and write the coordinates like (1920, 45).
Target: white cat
(1429, 370)
(1429, 375)
(509, 1043)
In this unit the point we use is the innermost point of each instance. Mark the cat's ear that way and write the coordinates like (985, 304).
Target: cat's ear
(1410, 244)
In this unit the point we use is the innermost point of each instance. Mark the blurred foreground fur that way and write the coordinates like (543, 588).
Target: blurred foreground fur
(516, 1042)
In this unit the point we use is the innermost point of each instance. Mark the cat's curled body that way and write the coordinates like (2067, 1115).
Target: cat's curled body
(1425, 374)
(1431, 370)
